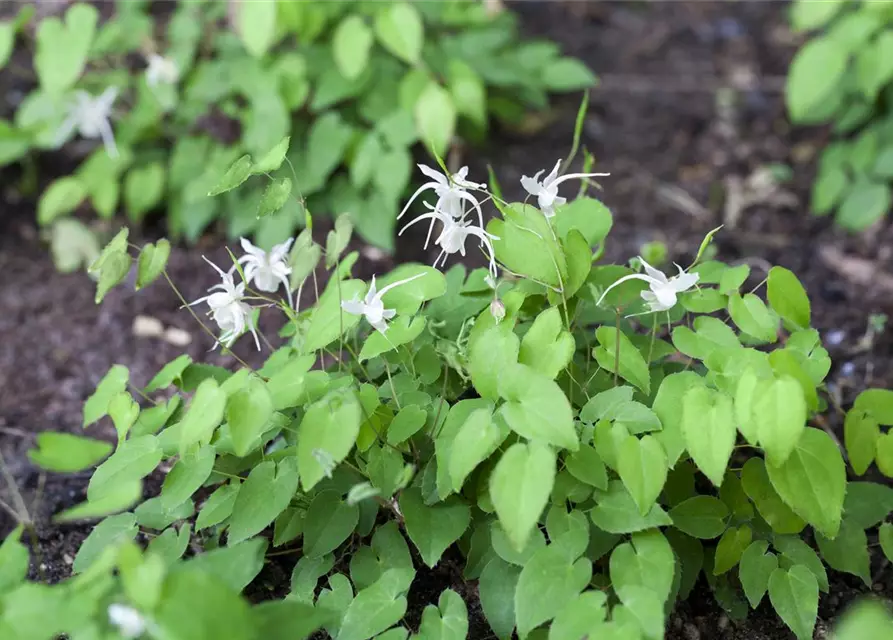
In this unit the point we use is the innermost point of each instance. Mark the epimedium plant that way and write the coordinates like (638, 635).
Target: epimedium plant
(356, 84)
(588, 439)
(843, 75)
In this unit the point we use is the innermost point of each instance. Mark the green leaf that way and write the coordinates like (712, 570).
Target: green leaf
(288, 619)
(7, 41)
(447, 621)
(275, 196)
(273, 159)
(490, 355)
(861, 433)
(702, 517)
(788, 297)
(124, 411)
(109, 533)
(878, 403)
(197, 605)
(328, 522)
(477, 439)
(73, 245)
(143, 189)
(61, 196)
(867, 504)
(118, 497)
(256, 25)
(248, 411)
(406, 424)
(757, 486)
(780, 411)
(807, 15)
(218, 507)
(751, 316)
(468, 92)
(152, 261)
(351, 44)
(329, 428)
(497, 593)
(114, 269)
(401, 331)
(547, 347)
(263, 496)
(62, 48)
(235, 565)
(375, 608)
(400, 31)
(616, 512)
(732, 545)
(642, 466)
(536, 407)
(520, 486)
(586, 465)
(873, 65)
(646, 561)
(407, 299)
(580, 616)
(795, 597)
(169, 373)
(135, 459)
(435, 118)
(812, 481)
(866, 619)
(113, 383)
(885, 537)
(814, 77)
(329, 321)
(865, 204)
(668, 405)
(67, 453)
(548, 581)
(527, 245)
(237, 173)
(755, 569)
(433, 529)
(153, 515)
(708, 423)
(204, 414)
(632, 366)
(848, 551)
(567, 74)
(14, 560)
(187, 476)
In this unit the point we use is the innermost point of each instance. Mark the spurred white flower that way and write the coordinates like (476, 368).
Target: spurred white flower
(129, 622)
(546, 191)
(372, 306)
(228, 308)
(662, 291)
(90, 117)
(453, 235)
(161, 70)
(452, 194)
(267, 269)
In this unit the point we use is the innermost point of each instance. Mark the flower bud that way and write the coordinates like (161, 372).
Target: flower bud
(497, 310)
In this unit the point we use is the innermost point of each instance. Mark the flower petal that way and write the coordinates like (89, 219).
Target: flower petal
(656, 274)
(632, 276)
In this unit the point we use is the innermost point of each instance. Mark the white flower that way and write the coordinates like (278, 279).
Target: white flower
(453, 236)
(372, 306)
(90, 116)
(161, 70)
(663, 290)
(546, 192)
(267, 270)
(451, 194)
(129, 622)
(228, 308)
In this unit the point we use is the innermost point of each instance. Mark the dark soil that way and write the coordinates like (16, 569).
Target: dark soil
(690, 105)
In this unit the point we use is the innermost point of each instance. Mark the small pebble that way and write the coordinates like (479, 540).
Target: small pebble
(147, 327)
(691, 632)
(729, 28)
(835, 337)
(67, 559)
(177, 337)
(723, 622)
(847, 369)
(373, 254)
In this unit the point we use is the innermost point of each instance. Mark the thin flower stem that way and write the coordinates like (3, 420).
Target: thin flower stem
(340, 310)
(387, 368)
(12, 512)
(192, 312)
(143, 395)
(651, 346)
(14, 490)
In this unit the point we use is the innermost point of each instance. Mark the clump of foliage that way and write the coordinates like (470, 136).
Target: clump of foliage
(179, 94)
(844, 76)
(592, 440)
